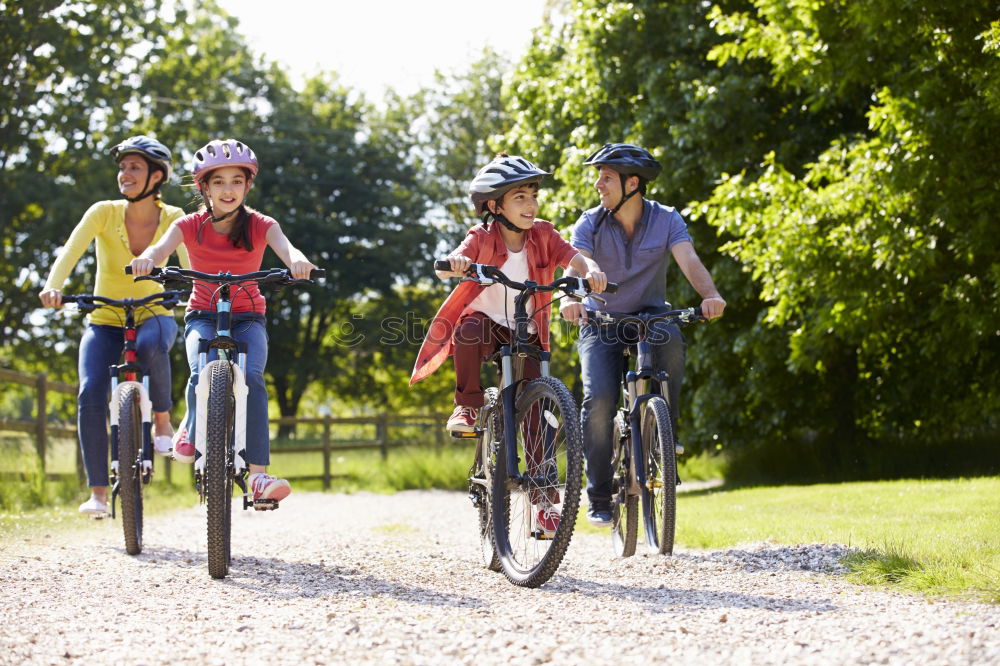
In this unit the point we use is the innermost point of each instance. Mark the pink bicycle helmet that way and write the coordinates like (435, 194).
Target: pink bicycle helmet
(223, 153)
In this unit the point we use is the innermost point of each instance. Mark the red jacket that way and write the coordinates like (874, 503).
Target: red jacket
(546, 251)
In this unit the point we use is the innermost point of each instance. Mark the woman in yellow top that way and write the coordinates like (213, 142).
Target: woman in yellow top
(122, 229)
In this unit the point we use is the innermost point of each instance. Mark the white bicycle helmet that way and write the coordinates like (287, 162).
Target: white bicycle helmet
(502, 174)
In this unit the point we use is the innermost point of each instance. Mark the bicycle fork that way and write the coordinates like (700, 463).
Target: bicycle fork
(146, 414)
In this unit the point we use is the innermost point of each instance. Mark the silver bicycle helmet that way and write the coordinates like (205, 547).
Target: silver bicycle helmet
(502, 174)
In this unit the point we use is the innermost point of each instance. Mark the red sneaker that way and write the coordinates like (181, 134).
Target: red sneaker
(183, 448)
(265, 486)
(547, 520)
(463, 419)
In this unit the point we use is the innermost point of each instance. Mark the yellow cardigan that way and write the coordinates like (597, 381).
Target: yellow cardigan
(105, 221)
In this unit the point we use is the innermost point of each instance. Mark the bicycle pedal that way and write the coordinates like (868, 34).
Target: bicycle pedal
(265, 505)
(679, 449)
(540, 535)
(461, 434)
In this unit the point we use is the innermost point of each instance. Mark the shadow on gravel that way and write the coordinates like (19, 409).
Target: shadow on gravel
(814, 558)
(662, 598)
(280, 579)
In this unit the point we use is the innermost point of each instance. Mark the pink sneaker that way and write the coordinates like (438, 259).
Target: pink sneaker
(548, 519)
(265, 486)
(463, 419)
(183, 448)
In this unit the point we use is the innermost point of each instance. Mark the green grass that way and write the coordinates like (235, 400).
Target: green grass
(933, 536)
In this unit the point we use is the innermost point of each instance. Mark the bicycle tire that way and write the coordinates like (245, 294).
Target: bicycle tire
(624, 507)
(130, 467)
(660, 492)
(483, 468)
(218, 465)
(528, 557)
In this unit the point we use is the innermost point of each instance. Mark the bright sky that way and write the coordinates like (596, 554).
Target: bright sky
(379, 44)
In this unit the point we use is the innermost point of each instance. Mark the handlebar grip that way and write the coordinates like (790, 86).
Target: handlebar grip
(317, 273)
(153, 273)
(442, 265)
(611, 288)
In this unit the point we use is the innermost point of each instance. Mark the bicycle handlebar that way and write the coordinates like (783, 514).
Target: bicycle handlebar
(279, 275)
(487, 274)
(684, 315)
(168, 299)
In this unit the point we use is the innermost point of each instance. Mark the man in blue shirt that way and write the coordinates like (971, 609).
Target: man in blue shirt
(632, 239)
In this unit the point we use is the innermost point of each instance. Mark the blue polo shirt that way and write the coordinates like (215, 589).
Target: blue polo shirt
(638, 265)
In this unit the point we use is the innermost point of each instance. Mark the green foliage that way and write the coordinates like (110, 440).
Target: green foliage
(877, 262)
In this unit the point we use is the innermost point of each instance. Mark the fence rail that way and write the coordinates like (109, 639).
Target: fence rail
(328, 445)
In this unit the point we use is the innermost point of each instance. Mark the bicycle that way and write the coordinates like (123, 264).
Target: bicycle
(221, 395)
(131, 411)
(645, 448)
(529, 449)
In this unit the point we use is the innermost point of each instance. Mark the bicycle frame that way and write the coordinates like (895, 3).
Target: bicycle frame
(130, 369)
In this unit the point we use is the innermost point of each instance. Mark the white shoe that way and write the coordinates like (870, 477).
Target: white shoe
(94, 507)
(163, 444)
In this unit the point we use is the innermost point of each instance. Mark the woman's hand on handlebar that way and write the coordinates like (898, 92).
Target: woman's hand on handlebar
(142, 266)
(51, 298)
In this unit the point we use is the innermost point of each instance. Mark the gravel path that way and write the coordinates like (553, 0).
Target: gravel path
(372, 578)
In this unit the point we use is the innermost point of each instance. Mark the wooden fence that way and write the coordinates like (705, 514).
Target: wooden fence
(328, 445)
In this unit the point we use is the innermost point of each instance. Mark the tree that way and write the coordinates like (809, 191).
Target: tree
(877, 262)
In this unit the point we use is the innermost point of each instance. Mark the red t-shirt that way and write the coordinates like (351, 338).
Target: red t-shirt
(215, 254)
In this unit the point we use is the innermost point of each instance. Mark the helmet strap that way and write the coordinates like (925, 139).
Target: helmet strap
(625, 197)
(156, 188)
(507, 223)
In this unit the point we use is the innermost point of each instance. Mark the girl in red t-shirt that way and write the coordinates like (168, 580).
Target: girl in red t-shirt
(226, 235)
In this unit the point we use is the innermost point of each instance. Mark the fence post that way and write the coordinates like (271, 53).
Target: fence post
(383, 434)
(168, 477)
(326, 452)
(40, 419)
(438, 436)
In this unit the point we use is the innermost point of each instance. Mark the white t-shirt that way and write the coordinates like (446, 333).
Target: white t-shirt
(497, 301)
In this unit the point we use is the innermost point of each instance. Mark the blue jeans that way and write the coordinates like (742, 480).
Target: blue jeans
(247, 327)
(601, 350)
(100, 348)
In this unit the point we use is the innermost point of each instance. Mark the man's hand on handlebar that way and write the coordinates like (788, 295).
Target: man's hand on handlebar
(712, 307)
(574, 313)
(598, 281)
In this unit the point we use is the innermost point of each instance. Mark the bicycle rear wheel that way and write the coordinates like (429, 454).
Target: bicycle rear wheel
(481, 477)
(219, 464)
(549, 453)
(624, 507)
(130, 467)
(659, 495)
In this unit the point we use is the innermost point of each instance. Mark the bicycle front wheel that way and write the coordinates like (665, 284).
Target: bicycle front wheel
(130, 467)
(481, 478)
(659, 494)
(624, 505)
(535, 504)
(219, 464)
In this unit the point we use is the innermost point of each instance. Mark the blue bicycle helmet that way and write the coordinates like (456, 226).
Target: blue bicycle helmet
(154, 151)
(626, 159)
